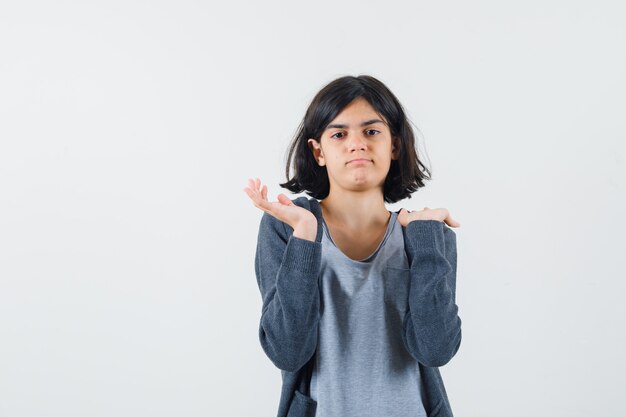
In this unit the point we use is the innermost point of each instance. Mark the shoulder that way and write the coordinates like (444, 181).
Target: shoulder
(449, 233)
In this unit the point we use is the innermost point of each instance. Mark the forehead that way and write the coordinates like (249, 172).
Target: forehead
(357, 106)
(358, 113)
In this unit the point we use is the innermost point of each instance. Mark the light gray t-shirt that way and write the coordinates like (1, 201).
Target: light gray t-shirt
(362, 367)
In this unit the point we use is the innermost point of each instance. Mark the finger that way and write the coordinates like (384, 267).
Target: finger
(254, 196)
(249, 189)
(258, 183)
(451, 222)
(254, 192)
(264, 192)
(251, 184)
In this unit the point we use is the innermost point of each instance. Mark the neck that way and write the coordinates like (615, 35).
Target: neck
(356, 210)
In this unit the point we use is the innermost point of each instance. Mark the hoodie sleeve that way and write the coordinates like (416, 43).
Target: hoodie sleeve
(432, 326)
(287, 270)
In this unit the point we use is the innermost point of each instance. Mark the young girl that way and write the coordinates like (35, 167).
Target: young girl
(359, 305)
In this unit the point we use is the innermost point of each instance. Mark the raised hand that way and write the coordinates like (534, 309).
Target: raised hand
(441, 214)
(284, 209)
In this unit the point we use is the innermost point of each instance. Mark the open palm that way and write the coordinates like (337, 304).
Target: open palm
(284, 209)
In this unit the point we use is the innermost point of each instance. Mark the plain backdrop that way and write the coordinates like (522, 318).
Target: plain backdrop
(128, 130)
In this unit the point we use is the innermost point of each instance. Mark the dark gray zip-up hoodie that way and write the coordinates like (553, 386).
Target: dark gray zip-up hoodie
(287, 270)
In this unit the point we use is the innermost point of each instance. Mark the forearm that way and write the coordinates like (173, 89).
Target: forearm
(290, 316)
(432, 327)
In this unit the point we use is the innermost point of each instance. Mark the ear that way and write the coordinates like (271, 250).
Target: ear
(318, 153)
(395, 148)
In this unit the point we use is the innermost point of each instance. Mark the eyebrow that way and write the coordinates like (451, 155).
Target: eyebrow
(365, 123)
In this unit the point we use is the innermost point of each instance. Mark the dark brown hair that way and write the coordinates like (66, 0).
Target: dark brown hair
(406, 174)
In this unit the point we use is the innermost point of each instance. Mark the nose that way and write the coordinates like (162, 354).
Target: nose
(356, 141)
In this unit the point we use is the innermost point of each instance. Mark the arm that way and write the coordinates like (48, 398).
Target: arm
(432, 327)
(287, 269)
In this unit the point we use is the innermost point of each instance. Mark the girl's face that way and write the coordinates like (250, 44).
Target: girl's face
(356, 147)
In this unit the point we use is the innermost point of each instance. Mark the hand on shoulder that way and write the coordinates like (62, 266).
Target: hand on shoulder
(441, 214)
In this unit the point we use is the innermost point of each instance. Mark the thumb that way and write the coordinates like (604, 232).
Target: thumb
(285, 200)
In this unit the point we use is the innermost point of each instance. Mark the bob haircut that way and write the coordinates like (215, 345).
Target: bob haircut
(406, 174)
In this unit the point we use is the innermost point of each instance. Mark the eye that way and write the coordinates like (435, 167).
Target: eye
(338, 133)
(372, 130)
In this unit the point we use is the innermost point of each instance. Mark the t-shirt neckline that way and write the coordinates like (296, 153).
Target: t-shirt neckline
(390, 225)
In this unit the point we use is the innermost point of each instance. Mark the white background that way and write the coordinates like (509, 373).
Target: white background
(128, 130)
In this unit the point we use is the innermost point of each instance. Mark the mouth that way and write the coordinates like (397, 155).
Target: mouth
(360, 161)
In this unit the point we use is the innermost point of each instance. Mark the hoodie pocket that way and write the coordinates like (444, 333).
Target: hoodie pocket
(396, 284)
(302, 406)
